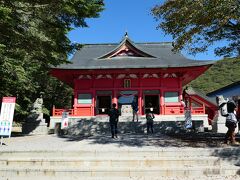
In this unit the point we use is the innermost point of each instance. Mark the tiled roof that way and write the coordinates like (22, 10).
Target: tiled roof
(89, 57)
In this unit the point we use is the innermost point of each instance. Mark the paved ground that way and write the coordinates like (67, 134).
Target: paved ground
(125, 141)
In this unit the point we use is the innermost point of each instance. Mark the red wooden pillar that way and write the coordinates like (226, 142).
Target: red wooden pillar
(180, 88)
(140, 101)
(162, 110)
(162, 102)
(140, 97)
(93, 108)
(114, 98)
(75, 99)
(93, 112)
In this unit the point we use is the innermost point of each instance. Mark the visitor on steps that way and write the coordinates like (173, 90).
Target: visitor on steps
(113, 119)
(135, 108)
(149, 117)
(231, 123)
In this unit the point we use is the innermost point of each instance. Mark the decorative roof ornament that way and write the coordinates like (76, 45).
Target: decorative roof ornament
(84, 77)
(102, 76)
(126, 48)
(126, 34)
(131, 76)
(170, 75)
(121, 76)
(151, 75)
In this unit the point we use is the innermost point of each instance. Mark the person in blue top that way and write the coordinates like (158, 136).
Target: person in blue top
(135, 109)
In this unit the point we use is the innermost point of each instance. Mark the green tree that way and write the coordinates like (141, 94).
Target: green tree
(33, 37)
(195, 25)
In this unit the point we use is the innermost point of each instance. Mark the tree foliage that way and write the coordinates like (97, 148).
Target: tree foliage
(33, 37)
(222, 73)
(195, 25)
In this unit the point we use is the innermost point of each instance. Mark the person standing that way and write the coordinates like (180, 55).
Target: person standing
(231, 123)
(135, 109)
(149, 116)
(185, 95)
(113, 119)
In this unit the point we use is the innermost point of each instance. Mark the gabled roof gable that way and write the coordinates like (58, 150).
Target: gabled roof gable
(126, 49)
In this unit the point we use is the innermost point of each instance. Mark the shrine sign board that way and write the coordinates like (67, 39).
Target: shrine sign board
(64, 121)
(126, 110)
(6, 116)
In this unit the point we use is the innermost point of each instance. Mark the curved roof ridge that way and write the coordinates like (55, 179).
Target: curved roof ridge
(136, 43)
(126, 40)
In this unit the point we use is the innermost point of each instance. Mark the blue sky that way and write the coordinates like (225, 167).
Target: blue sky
(132, 16)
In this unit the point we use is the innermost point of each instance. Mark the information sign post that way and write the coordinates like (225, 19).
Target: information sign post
(6, 116)
(64, 122)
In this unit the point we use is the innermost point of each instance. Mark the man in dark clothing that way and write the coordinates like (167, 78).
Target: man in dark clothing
(149, 116)
(135, 108)
(113, 119)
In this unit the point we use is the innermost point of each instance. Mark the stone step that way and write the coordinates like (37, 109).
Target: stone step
(210, 177)
(170, 152)
(125, 163)
(111, 162)
(118, 172)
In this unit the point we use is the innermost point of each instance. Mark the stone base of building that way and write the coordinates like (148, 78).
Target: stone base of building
(100, 124)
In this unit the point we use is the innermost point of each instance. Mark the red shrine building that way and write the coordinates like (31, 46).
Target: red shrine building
(102, 74)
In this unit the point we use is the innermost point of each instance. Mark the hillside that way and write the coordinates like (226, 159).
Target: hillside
(222, 73)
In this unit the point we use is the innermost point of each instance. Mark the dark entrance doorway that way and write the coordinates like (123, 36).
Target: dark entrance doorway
(103, 104)
(151, 102)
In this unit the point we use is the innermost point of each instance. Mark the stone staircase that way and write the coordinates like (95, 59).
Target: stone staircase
(97, 164)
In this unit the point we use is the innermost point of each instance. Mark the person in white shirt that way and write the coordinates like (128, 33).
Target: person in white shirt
(231, 123)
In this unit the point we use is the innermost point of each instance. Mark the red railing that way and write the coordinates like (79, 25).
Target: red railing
(58, 112)
(167, 109)
(198, 110)
(173, 109)
(176, 109)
